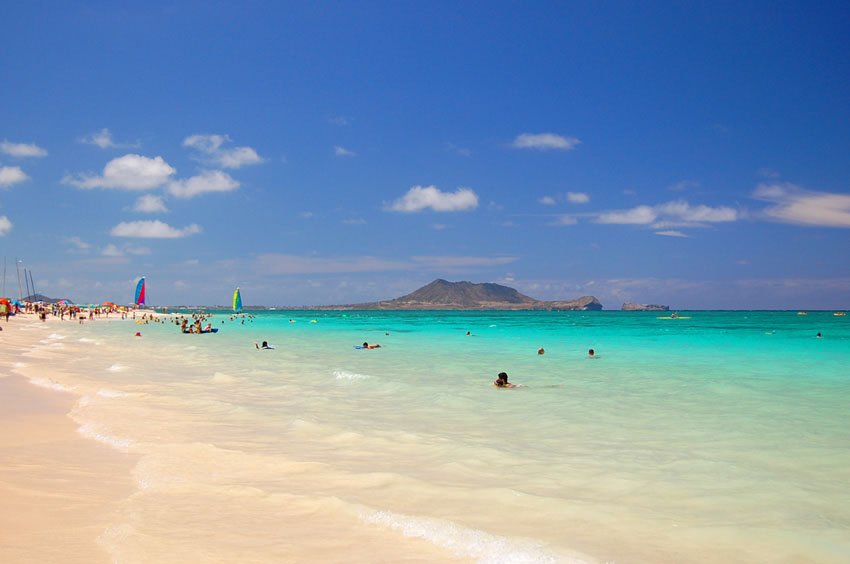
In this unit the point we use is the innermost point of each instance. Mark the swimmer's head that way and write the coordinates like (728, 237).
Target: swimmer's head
(503, 376)
(365, 344)
(591, 352)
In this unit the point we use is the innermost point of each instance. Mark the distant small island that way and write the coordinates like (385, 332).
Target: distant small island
(628, 306)
(444, 295)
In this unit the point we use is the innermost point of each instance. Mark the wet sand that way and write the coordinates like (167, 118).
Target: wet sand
(58, 489)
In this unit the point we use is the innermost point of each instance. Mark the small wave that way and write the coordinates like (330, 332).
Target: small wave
(19, 365)
(469, 543)
(90, 431)
(48, 383)
(117, 368)
(346, 375)
(86, 340)
(107, 393)
(55, 336)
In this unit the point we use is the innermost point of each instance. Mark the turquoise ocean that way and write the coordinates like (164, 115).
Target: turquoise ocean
(715, 437)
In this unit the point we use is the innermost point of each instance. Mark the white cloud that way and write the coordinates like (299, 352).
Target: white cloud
(577, 197)
(671, 233)
(566, 220)
(153, 230)
(11, 175)
(683, 185)
(547, 201)
(211, 147)
(640, 215)
(103, 139)
(794, 204)
(340, 120)
(22, 149)
(343, 152)
(460, 151)
(150, 204)
(676, 213)
(5, 225)
(420, 198)
(207, 181)
(137, 250)
(545, 142)
(686, 213)
(111, 251)
(130, 172)
(79, 246)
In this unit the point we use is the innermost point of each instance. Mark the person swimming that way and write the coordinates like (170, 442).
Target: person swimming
(591, 353)
(501, 381)
(541, 351)
(373, 346)
(264, 346)
(819, 336)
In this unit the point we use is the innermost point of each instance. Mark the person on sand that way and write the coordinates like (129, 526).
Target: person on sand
(373, 346)
(541, 351)
(501, 381)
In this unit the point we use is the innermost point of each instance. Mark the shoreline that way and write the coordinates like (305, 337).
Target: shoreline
(59, 488)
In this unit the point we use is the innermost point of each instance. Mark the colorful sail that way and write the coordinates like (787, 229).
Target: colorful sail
(237, 301)
(140, 292)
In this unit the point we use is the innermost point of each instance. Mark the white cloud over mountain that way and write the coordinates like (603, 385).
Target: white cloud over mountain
(5, 225)
(420, 198)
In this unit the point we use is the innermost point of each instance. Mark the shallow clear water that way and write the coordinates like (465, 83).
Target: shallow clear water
(723, 437)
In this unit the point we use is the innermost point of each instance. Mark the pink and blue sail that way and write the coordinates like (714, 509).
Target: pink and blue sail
(140, 292)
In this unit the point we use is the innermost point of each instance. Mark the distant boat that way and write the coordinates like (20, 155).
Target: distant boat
(237, 301)
(802, 313)
(839, 314)
(140, 292)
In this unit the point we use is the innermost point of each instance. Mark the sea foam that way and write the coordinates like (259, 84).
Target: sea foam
(91, 431)
(466, 543)
(346, 375)
(50, 384)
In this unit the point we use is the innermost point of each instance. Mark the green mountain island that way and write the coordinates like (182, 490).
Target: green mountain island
(444, 295)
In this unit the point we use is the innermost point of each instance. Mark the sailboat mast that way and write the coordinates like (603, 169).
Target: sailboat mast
(18, 270)
(32, 283)
(27, 284)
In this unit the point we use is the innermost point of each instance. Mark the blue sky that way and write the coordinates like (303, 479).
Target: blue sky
(694, 155)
